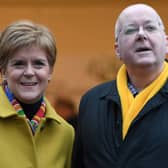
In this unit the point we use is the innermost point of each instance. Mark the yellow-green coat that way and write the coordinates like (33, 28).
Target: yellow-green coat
(50, 147)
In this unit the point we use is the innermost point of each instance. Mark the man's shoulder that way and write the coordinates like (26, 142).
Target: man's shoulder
(101, 89)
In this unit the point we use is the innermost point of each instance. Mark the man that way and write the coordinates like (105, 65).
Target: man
(124, 123)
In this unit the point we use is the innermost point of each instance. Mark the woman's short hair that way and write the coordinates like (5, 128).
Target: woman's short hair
(22, 34)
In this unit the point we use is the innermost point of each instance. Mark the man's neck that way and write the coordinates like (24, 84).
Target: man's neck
(142, 77)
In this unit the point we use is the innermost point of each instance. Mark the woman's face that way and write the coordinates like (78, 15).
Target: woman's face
(27, 74)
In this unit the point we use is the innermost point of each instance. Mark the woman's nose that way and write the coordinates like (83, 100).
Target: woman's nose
(29, 70)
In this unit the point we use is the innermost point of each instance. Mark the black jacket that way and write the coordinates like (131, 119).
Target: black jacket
(99, 142)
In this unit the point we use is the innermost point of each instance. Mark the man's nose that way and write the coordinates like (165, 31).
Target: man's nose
(141, 33)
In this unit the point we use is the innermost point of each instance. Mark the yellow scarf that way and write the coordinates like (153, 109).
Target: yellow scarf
(131, 106)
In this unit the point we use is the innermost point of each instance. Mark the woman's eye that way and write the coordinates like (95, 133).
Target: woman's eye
(39, 64)
(18, 64)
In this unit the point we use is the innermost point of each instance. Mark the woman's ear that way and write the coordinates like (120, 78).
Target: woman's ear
(50, 74)
(49, 77)
(3, 74)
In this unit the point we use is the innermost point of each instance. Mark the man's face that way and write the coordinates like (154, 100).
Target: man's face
(141, 40)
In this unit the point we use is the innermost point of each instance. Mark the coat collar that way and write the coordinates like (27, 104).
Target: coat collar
(108, 89)
(7, 110)
(110, 92)
(164, 89)
(51, 113)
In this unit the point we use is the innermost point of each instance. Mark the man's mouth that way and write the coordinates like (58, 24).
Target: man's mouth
(143, 49)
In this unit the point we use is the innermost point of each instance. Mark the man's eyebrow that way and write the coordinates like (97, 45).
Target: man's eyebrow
(130, 24)
(150, 21)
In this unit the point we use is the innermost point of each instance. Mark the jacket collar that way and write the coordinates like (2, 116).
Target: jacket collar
(164, 89)
(108, 89)
(160, 98)
(110, 92)
(51, 113)
(7, 110)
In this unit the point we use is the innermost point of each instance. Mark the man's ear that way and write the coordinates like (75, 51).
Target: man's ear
(117, 49)
(166, 44)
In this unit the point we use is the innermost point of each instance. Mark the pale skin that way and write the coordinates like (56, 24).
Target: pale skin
(28, 73)
(141, 44)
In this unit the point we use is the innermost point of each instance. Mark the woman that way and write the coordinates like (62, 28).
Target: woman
(32, 134)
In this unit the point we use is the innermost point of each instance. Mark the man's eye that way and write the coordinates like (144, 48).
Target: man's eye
(130, 31)
(150, 28)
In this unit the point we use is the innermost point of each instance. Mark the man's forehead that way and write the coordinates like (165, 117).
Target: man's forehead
(140, 21)
(138, 8)
(138, 13)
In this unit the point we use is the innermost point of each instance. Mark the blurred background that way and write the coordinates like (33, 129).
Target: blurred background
(84, 32)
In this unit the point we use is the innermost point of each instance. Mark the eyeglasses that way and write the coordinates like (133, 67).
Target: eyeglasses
(134, 29)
